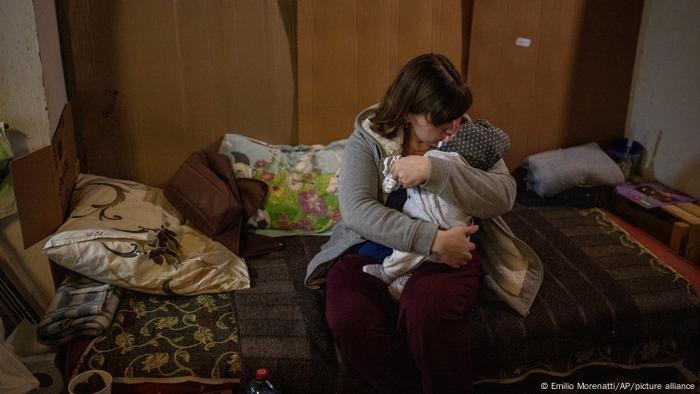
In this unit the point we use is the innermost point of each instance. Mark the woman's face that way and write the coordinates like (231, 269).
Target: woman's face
(429, 133)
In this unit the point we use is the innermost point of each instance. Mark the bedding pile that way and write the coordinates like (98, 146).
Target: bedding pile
(277, 323)
(604, 301)
(207, 193)
(126, 234)
(81, 307)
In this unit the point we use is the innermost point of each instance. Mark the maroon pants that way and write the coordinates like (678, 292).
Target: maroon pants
(416, 345)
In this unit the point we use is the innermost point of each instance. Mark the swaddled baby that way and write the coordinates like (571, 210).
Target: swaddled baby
(478, 144)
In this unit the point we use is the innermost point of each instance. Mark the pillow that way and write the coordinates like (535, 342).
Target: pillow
(552, 172)
(302, 182)
(126, 234)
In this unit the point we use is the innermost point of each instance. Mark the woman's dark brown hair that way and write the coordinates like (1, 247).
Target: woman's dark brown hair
(429, 84)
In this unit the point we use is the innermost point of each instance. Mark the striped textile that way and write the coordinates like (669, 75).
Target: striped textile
(81, 307)
(604, 300)
(281, 322)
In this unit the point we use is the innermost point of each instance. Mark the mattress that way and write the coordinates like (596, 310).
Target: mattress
(606, 299)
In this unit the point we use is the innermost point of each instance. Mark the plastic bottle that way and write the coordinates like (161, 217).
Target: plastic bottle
(626, 162)
(262, 383)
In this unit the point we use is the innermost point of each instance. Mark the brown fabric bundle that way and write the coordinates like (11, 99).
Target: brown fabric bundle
(205, 190)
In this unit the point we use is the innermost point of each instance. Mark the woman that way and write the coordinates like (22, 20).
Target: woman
(420, 343)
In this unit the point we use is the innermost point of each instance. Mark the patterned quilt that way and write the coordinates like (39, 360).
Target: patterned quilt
(164, 339)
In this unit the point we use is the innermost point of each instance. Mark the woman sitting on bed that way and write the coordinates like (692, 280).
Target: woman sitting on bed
(419, 344)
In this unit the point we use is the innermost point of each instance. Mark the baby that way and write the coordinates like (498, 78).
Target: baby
(478, 144)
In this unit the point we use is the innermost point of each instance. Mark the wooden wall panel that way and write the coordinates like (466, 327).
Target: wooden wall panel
(153, 81)
(492, 78)
(571, 86)
(349, 52)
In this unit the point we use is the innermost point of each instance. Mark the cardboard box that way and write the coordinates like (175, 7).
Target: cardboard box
(44, 181)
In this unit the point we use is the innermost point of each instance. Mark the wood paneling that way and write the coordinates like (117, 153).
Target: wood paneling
(153, 81)
(570, 87)
(349, 52)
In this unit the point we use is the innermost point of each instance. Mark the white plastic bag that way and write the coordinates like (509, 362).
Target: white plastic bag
(15, 378)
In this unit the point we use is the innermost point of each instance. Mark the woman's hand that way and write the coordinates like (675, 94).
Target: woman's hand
(411, 170)
(453, 247)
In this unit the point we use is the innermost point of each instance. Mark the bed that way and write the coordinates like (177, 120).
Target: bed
(611, 296)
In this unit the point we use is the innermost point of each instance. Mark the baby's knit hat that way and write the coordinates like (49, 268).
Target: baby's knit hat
(480, 143)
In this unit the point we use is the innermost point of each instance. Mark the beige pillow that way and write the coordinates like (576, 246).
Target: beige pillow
(125, 234)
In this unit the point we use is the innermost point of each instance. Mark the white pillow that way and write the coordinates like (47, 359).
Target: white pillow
(552, 172)
(125, 234)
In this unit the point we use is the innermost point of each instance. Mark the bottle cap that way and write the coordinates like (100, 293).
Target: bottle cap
(262, 374)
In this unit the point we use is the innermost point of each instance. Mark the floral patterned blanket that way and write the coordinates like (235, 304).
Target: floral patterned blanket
(163, 339)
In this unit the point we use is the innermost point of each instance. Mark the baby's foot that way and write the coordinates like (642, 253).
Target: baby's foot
(377, 270)
(397, 285)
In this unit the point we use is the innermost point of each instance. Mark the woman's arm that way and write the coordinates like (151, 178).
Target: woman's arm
(484, 194)
(364, 213)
